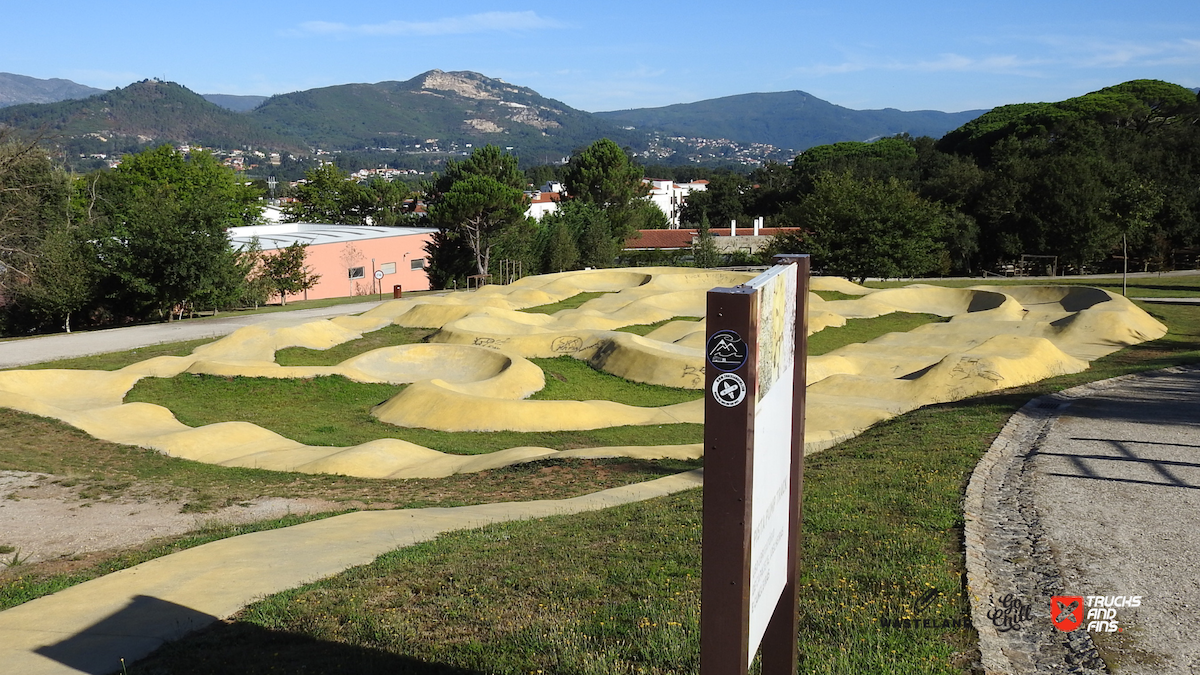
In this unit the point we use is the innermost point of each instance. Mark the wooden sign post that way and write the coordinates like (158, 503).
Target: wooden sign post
(755, 358)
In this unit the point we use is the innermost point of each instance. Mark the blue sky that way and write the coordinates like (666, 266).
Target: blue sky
(939, 54)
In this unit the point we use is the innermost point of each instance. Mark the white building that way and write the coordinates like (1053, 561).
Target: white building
(670, 196)
(667, 195)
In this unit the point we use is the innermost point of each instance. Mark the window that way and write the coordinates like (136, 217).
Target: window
(388, 268)
(417, 263)
(358, 272)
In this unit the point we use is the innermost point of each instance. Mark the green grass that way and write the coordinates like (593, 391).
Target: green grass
(388, 336)
(569, 379)
(568, 303)
(644, 329)
(836, 295)
(863, 330)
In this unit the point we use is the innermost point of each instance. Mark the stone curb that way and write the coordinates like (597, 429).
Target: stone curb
(1007, 552)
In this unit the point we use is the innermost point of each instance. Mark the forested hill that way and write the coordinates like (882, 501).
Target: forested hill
(790, 119)
(234, 102)
(462, 107)
(1140, 105)
(146, 111)
(17, 89)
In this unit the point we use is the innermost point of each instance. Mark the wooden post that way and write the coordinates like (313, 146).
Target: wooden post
(736, 586)
(725, 583)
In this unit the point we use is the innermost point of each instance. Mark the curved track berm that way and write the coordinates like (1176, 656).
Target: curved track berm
(474, 375)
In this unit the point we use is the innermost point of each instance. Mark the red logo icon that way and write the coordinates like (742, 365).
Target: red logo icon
(1066, 611)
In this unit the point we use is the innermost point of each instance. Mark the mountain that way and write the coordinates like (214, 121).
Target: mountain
(18, 89)
(144, 112)
(451, 107)
(417, 123)
(234, 102)
(790, 119)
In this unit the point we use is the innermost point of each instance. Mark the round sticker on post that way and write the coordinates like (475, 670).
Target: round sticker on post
(729, 390)
(726, 351)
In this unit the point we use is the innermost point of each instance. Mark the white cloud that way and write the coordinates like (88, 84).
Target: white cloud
(1049, 53)
(1092, 52)
(1003, 64)
(487, 22)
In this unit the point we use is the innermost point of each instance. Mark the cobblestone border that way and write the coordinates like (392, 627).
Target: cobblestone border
(1007, 551)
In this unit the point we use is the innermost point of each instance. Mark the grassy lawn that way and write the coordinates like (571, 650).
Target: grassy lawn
(616, 591)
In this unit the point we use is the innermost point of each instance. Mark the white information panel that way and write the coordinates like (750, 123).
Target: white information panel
(771, 483)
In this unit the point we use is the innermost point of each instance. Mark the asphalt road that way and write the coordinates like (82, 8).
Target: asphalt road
(1117, 485)
(23, 352)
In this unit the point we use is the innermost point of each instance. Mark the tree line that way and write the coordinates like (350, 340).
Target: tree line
(147, 240)
(478, 206)
(1074, 180)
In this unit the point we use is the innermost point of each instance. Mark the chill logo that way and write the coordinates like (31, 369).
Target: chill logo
(914, 615)
(1069, 612)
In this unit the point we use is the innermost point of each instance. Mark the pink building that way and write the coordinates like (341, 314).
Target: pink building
(349, 257)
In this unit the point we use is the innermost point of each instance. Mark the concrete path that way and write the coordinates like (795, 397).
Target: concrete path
(1094, 491)
(14, 353)
(1170, 301)
(89, 628)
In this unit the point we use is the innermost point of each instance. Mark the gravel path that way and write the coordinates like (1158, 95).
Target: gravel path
(1094, 491)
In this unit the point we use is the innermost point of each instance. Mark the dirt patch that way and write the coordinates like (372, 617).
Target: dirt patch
(46, 517)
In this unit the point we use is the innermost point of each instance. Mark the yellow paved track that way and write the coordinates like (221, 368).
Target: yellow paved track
(474, 376)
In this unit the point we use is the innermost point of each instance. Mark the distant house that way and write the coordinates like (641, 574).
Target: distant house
(545, 199)
(541, 203)
(347, 256)
(670, 196)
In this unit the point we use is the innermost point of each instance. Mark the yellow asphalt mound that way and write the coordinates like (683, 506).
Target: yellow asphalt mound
(474, 375)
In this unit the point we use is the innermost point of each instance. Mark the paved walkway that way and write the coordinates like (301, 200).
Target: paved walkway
(14, 353)
(1170, 301)
(89, 628)
(1094, 491)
